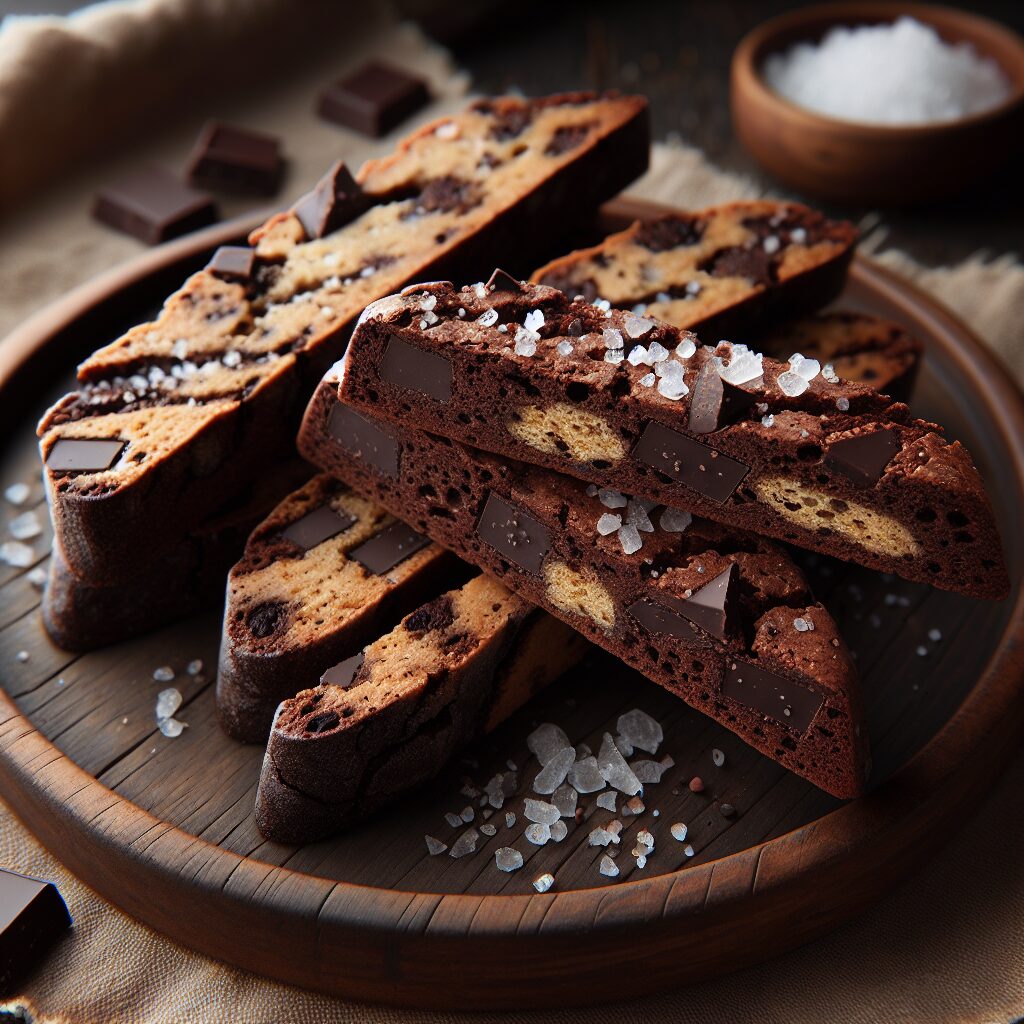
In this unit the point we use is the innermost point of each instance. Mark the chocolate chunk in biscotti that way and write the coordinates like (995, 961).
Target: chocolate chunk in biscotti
(193, 405)
(33, 916)
(721, 617)
(607, 396)
(453, 670)
(374, 99)
(236, 159)
(323, 574)
(152, 205)
(722, 272)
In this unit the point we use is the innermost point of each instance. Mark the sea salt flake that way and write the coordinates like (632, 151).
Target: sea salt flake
(534, 320)
(16, 554)
(194, 667)
(37, 577)
(488, 318)
(718, 757)
(495, 793)
(636, 326)
(607, 800)
(843, 403)
(613, 355)
(612, 338)
(538, 833)
(648, 771)
(466, 843)
(559, 830)
(17, 494)
(935, 635)
(468, 814)
(565, 799)
(585, 776)
(771, 244)
(802, 625)
(526, 342)
(489, 830)
(541, 811)
(633, 806)
(674, 520)
(636, 515)
(688, 850)
(434, 846)
(608, 524)
(641, 730)
(806, 368)
(546, 742)
(686, 348)
(564, 348)
(614, 769)
(629, 538)
(510, 819)
(25, 527)
(637, 355)
(648, 380)
(679, 831)
(171, 727)
(553, 774)
(167, 703)
(612, 499)
(767, 421)
(163, 674)
(672, 389)
(233, 357)
(544, 882)
(600, 837)
(645, 840)
(829, 373)
(791, 384)
(22, 656)
(744, 366)
(453, 819)
(608, 867)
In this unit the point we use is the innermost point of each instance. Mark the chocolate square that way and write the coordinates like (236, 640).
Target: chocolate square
(656, 618)
(715, 402)
(707, 471)
(84, 455)
(514, 534)
(152, 205)
(317, 526)
(344, 673)
(413, 368)
(334, 201)
(788, 702)
(863, 457)
(374, 99)
(32, 917)
(392, 546)
(367, 441)
(233, 262)
(236, 160)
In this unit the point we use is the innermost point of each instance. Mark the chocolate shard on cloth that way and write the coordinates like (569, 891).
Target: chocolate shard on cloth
(236, 159)
(374, 99)
(32, 917)
(153, 206)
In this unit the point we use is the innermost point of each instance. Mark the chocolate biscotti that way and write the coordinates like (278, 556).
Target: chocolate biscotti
(720, 617)
(722, 272)
(175, 416)
(625, 401)
(321, 576)
(449, 673)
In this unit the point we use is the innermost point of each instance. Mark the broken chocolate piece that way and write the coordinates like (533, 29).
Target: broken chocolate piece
(344, 673)
(788, 702)
(365, 440)
(708, 472)
(233, 262)
(711, 606)
(413, 368)
(236, 160)
(32, 917)
(396, 543)
(716, 403)
(153, 206)
(374, 99)
(317, 526)
(751, 262)
(500, 281)
(656, 618)
(335, 200)
(864, 457)
(514, 533)
(84, 455)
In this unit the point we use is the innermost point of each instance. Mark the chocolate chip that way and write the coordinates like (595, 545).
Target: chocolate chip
(32, 917)
(508, 124)
(317, 526)
(236, 160)
(657, 618)
(84, 455)
(708, 472)
(715, 402)
(374, 99)
(669, 232)
(499, 281)
(153, 206)
(325, 721)
(344, 673)
(753, 263)
(863, 457)
(233, 262)
(449, 194)
(266, 619)
(367, 441)
(793, 704)
(433, 616)
(514, 534)
(566, 138)
(392, 546)
(712, 605)
(335, 200)
(413, 368)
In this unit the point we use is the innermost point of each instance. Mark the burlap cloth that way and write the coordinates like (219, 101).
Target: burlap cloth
(948, 946)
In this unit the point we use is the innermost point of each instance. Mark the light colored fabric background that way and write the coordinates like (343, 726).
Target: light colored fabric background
(947, 947)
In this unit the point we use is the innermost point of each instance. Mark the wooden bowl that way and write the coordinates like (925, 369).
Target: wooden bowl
(863, 163)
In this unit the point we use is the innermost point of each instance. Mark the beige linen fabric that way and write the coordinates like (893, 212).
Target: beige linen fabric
(948, 946)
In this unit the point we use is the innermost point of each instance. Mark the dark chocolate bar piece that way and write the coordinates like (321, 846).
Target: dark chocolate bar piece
(153, 206)
(234, 159)
(32, 917)
(374, 99)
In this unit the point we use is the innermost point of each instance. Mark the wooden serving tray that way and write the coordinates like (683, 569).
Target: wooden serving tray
(164, 828)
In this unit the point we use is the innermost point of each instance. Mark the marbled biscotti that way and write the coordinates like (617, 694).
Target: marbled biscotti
(326, 572)
(449, 673)
(625, 401)
(175, 416)
(723, 272)
(720, 617)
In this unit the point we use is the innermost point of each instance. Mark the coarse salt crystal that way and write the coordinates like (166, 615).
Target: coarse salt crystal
(679, 831)
(636, 515)
(17, 494)
(553, 774)
(686, 348)
(541, 811)
(641, 730)
(614, 769)
(674, 520)
(629, 539)
(544, 882)
(22, 656)
(612, 338)
(922, 651)
(171, 727)
(585, 776)
(435, 846)
(25, 527)
(744, 366)
(37, 577)
(534, 320)
(718, 757)
(468, 814)
(608, 867)
(453, 819)
(612, 499)
(648, 380)
(466, 843)
(608, 524)
(167, 703)
(16, 554)
(163, 674)
(526, 341)
(447, 130)
(194, 667)
(636, 326)
(791, 384)
(546, 742)
(843, 403)
(607, 800)
(564, 348)
(565, 799)
(489, 830)
(767, 421)
(488, 318)
(806, 368)
(559, 830)
(935, 635)
(648, 771)
(510, 819)
(802, 625)
(829, 373)
(538, 833)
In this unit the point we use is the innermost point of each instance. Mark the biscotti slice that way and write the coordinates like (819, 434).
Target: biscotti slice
(175, 416)
(321, 576)
(722, 272)
(81, 616)
(720, 617)
(625, 401)
(449, 673)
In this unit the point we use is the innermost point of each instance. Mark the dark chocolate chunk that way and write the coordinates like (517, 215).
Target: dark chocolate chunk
(500, 281)
(344, 673)
(373, 100)
(365, 440)
(669, 232)
(393, 545)
(236, 160)
(712, 605)
(317, 526)
(335, 200)
(566, 138)
(433, 616)
(791, 703)
(657, 618)
(233, 262)
(514, 533)
(752, 262)
(32, 917)
(715, 402)
(411, 367)
(862, 458)
(152, 205)
(266, 619)
(708, 472)
(84, 455)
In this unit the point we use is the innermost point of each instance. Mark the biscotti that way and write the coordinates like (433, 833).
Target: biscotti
(175, 416)
(723, 272)
(624, 401)
(722, 618)
(326, 572)
(448, 674)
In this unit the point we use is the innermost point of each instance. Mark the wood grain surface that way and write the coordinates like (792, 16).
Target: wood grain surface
(164, 827)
